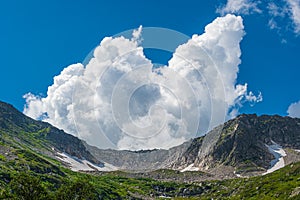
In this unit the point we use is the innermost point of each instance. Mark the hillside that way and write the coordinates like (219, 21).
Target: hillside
(35, 158)
(22, 131)
(43, 178)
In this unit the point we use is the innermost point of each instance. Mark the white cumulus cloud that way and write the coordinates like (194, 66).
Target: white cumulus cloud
(294, 110)
(120, 100)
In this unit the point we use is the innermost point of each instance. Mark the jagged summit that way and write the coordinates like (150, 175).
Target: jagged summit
(244, 143)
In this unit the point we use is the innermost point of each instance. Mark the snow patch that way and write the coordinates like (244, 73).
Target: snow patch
(162, 196)
(237, 175)
(278, 153)
(190, 168)
(83, 165)
(235, 127)
(297, 150)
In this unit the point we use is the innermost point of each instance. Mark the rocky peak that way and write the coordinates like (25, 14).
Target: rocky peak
(243, 141)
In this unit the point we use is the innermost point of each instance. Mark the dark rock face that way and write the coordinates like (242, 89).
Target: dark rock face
(242, 142)
(251, 133)
(70, 144)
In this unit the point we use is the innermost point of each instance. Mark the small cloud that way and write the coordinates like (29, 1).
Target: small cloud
(276, 11)
(294, 13)
(284, 41)
(240, 7)
(286, 13)
(250, 97)
(277, 14)
(273, 24)
(294, 110)
(137, 34)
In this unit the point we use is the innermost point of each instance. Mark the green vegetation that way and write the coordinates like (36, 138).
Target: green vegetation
(2, 158)
(26, 172)
(281, 184)
(32, 176)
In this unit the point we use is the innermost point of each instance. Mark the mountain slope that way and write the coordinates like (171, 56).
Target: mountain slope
(244, 143)
(241, 146)
(42, 137)
(55, 182)
(29, 166)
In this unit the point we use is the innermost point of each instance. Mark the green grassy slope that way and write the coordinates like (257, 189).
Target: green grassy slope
(26, 173)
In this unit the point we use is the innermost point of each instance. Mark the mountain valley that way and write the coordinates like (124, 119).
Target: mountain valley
(247, 157)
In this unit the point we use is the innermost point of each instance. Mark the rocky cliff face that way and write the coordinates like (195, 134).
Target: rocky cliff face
(139, 161)
(243, 143)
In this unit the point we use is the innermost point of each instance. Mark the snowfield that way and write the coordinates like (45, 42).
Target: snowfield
(83, 165)
(278, 153)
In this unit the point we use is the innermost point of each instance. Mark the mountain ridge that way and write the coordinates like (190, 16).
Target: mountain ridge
(242, 143)
(30, 167)
(19, 124)
(239, 145)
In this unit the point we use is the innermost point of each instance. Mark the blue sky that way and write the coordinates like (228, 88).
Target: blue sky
(40, 38)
